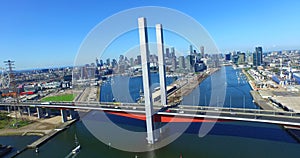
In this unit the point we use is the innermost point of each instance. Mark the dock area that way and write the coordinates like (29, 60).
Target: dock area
(90, 93)
(277, 100)
(186, 85)
(265, 105)
(51, 134)
(181, 87)
(260, 97)
(46, 137)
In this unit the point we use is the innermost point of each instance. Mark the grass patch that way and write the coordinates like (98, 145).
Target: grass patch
(247, 74)
(64, 97)
(4, 120)
(7, 122)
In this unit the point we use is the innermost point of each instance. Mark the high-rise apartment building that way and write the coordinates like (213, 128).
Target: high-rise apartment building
(202, 51)
(258, 57)
(181, 63)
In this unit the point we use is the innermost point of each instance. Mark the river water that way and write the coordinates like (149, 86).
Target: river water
(225, 139)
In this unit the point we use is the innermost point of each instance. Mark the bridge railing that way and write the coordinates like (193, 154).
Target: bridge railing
(179, 109)
(202, 110)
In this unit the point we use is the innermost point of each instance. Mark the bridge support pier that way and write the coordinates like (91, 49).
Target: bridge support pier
(20, 109)
(48, 112)
(39, 112)
(8, 109)
(63, 115)
(28, 111)
(72, 114)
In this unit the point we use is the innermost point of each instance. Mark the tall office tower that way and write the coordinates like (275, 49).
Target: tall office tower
(161, 62)
(97, 62)
(114, 63)
(191, 49)
(131, 60)
(167, 52)
(121, 58)
(190, 62)
(172, 52)
(228, 56)
(181, 63)
(257, 57)
(146, 78)
(101, 62)
(139, 60)
(108, 62)
(174, 63)
(241, 58)
(202, 51)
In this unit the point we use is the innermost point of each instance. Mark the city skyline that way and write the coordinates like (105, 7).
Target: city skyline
(49, 34)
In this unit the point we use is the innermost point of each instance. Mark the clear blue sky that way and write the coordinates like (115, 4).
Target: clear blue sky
(48, 33)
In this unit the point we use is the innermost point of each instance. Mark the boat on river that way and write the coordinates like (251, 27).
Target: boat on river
(77, 148)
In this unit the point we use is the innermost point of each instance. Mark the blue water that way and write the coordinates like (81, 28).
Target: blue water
(127, 89)
(237, 94)
(17, 142)
(237, 90)
(252, 130)
(217, 144)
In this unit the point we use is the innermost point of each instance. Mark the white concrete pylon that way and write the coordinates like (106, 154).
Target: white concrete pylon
(161, 62)
(146, 78)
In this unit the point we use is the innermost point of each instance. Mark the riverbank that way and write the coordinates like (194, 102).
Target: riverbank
(257, 94)
(46, 137)
(51, 134)
(39, 127)
(262, 103)
(249, 79)
(45, 128)
(187, 84)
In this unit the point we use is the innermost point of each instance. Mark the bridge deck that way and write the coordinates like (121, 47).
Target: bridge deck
(254, 115)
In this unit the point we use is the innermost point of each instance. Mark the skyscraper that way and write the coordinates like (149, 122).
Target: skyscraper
(257, 57)
(241, 58)
(181, 63)
(167, 52)
(139, 60)
(190, 62)
(101, 62)
(174, 63)
(114, 63)
(97, 62)
(131, 61)
(108, 62)
(202, 51)
(228, 56)
(172, 52)
(191, 49)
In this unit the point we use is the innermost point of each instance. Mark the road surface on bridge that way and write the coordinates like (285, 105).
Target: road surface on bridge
(239, 114)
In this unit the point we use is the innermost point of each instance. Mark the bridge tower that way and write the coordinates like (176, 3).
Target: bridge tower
(161, 62)
(146, 78)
